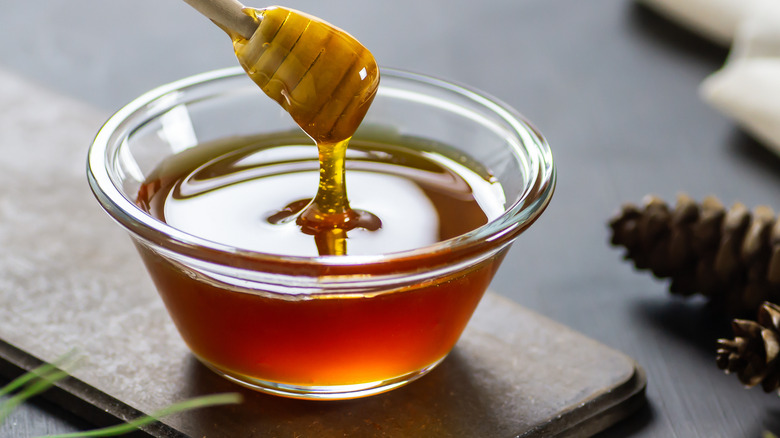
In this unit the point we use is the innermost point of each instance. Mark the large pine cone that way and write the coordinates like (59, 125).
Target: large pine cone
(731, 256)
(753, 353)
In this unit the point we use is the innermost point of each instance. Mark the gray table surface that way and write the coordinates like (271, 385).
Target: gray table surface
(612, 85)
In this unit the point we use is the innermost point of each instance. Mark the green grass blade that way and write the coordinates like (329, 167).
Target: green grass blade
(65, 361)
(199, 402)
(35, 387)
(26, 377)
(34, 382)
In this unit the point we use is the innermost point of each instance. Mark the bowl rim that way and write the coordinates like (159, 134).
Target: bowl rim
(496, 234)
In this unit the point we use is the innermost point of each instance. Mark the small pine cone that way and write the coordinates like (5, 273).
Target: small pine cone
(754, 351)
(731, 256)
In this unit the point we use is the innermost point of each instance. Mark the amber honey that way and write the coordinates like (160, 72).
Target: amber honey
(318, 342)
(240, 194)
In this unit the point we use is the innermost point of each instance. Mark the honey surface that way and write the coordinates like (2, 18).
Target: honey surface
(249, 195)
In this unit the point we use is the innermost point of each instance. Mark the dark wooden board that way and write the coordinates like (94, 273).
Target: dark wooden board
(70, 278)
(554, 383)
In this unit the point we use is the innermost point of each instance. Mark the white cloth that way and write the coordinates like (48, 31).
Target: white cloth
(747, 88)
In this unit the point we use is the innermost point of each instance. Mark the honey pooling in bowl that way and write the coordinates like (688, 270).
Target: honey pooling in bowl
(322, 339)
(326, 80)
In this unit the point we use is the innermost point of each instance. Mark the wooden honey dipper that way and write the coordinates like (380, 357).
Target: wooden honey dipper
(320, 74)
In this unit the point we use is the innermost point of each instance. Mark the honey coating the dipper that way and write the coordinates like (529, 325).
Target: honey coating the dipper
(320, 74)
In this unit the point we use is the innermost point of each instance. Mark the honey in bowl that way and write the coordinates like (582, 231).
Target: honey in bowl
(323, 340)
(454, 178)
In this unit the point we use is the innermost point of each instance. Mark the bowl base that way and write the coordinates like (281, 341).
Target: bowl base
(315, 392)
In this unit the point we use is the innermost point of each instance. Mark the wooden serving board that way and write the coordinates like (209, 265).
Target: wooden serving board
(69, 278)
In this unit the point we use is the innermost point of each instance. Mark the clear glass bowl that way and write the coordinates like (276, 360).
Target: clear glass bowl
(327, 327)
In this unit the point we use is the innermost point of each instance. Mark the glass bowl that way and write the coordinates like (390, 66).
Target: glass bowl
(321, 327)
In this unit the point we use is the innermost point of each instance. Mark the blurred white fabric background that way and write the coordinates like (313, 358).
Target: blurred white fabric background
(747, 88)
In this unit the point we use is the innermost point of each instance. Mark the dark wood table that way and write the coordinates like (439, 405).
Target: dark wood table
(612, 85)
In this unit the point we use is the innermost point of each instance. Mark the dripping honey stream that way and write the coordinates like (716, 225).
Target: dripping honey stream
(326, 80)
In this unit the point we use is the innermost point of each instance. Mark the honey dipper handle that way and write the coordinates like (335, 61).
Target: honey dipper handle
(227, 14)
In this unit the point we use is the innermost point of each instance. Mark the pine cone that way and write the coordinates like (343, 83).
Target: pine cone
(730, 256)
(753, 353)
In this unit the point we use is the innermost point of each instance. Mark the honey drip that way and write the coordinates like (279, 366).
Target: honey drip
(326, 80)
